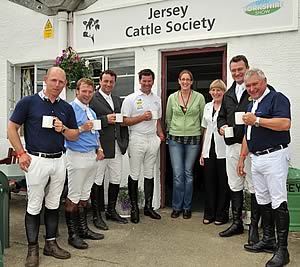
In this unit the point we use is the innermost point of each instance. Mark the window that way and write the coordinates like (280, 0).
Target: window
(32, 77)
(123, 65)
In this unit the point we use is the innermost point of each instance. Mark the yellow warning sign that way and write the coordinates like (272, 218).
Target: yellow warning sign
(48, 30)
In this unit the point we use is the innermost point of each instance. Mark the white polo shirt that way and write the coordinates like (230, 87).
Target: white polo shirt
(210, 123)
(136, 104)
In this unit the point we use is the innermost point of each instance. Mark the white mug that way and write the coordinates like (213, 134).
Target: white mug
(229, 132)
(155, 115)
(97, 125)
(239, 118)
(119, 117)
(47, 121)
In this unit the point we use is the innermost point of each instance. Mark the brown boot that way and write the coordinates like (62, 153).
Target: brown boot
(52, 249)
(32, 259)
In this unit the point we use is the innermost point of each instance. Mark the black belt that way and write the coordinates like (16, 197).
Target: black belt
(270, 150)
(47, 155)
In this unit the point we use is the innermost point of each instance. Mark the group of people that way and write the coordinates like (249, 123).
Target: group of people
(235, 156)
(244, 134)
(72, 143)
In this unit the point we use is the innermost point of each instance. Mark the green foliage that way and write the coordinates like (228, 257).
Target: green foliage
(74, 66)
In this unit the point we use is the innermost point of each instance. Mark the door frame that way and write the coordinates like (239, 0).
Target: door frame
(164, 56)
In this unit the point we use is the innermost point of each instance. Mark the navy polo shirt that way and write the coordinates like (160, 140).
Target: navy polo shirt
(273, 105)
(30, 111)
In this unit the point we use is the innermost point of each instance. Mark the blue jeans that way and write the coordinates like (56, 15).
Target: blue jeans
(183, 158)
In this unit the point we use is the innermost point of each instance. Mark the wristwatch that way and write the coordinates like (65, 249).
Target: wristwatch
(256, 123)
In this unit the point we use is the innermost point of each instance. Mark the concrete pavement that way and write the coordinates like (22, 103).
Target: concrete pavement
(168, 242)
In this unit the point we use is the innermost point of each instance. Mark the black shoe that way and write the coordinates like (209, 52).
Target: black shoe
(83, 229)
(175, 213)
(89, 234)
(187, 214)
(282, 219)
(99, 223)
(148, 190)
(279, 259)
(77, 242)
(72, 222)
(97, 203)
(151, 213)
(114, 216)
(234, 229)
(133, 195)
(111, 213)
(261, 246)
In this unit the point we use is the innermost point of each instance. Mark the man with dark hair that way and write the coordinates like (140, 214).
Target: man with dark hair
(82, 166)
(114, 140)
(267, 135)
(235, 100)
(142, 113)
(48, 121)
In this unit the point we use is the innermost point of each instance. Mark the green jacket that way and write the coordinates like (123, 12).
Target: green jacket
(188, 124)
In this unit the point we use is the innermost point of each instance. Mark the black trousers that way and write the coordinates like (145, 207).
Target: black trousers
(217, 192)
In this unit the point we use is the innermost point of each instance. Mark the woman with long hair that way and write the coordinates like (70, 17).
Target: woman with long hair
(183, 118)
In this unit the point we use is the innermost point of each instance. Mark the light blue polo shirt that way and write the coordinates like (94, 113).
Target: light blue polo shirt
(87, 141)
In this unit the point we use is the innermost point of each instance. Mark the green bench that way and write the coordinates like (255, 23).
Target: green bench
(7, 172)
(1, 256)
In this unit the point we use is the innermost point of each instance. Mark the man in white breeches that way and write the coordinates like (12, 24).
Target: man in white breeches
(82, 157)
(142, 113)
(114, 140)
(267, 136)
(235, 100)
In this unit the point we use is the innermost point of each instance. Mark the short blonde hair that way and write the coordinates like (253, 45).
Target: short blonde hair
(218, 84)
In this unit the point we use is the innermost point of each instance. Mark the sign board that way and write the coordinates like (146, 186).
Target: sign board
(180, 21)
(48, 30)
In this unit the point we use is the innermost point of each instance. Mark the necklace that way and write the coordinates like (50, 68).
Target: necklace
(185, 103)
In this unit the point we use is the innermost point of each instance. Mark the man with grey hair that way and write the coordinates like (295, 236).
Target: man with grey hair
(267, 135)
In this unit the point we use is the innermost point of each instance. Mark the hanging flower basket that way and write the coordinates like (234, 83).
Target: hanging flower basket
(74, 66)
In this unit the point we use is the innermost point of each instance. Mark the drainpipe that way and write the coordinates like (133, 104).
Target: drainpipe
(62, 30)
(62, 38)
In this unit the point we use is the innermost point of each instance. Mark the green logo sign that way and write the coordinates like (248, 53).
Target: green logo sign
(263, 7)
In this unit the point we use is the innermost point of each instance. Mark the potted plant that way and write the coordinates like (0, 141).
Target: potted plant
(74, 66)
(247, 208)
(123, 203)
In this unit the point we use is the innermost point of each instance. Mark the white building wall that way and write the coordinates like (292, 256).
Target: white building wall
(277, 54)
(21, 42)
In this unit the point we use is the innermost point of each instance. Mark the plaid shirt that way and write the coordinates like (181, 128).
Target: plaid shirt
(186, 140)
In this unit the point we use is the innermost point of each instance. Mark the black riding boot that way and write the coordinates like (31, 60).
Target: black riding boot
(148, 190)
(32, 225)
(282, 218)
(268, 242)
(96, 200)
(51, 218)
(237, 227)
(111, 213)
(74, 239)
(133, 195)
(253, 235)
(83, 229)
